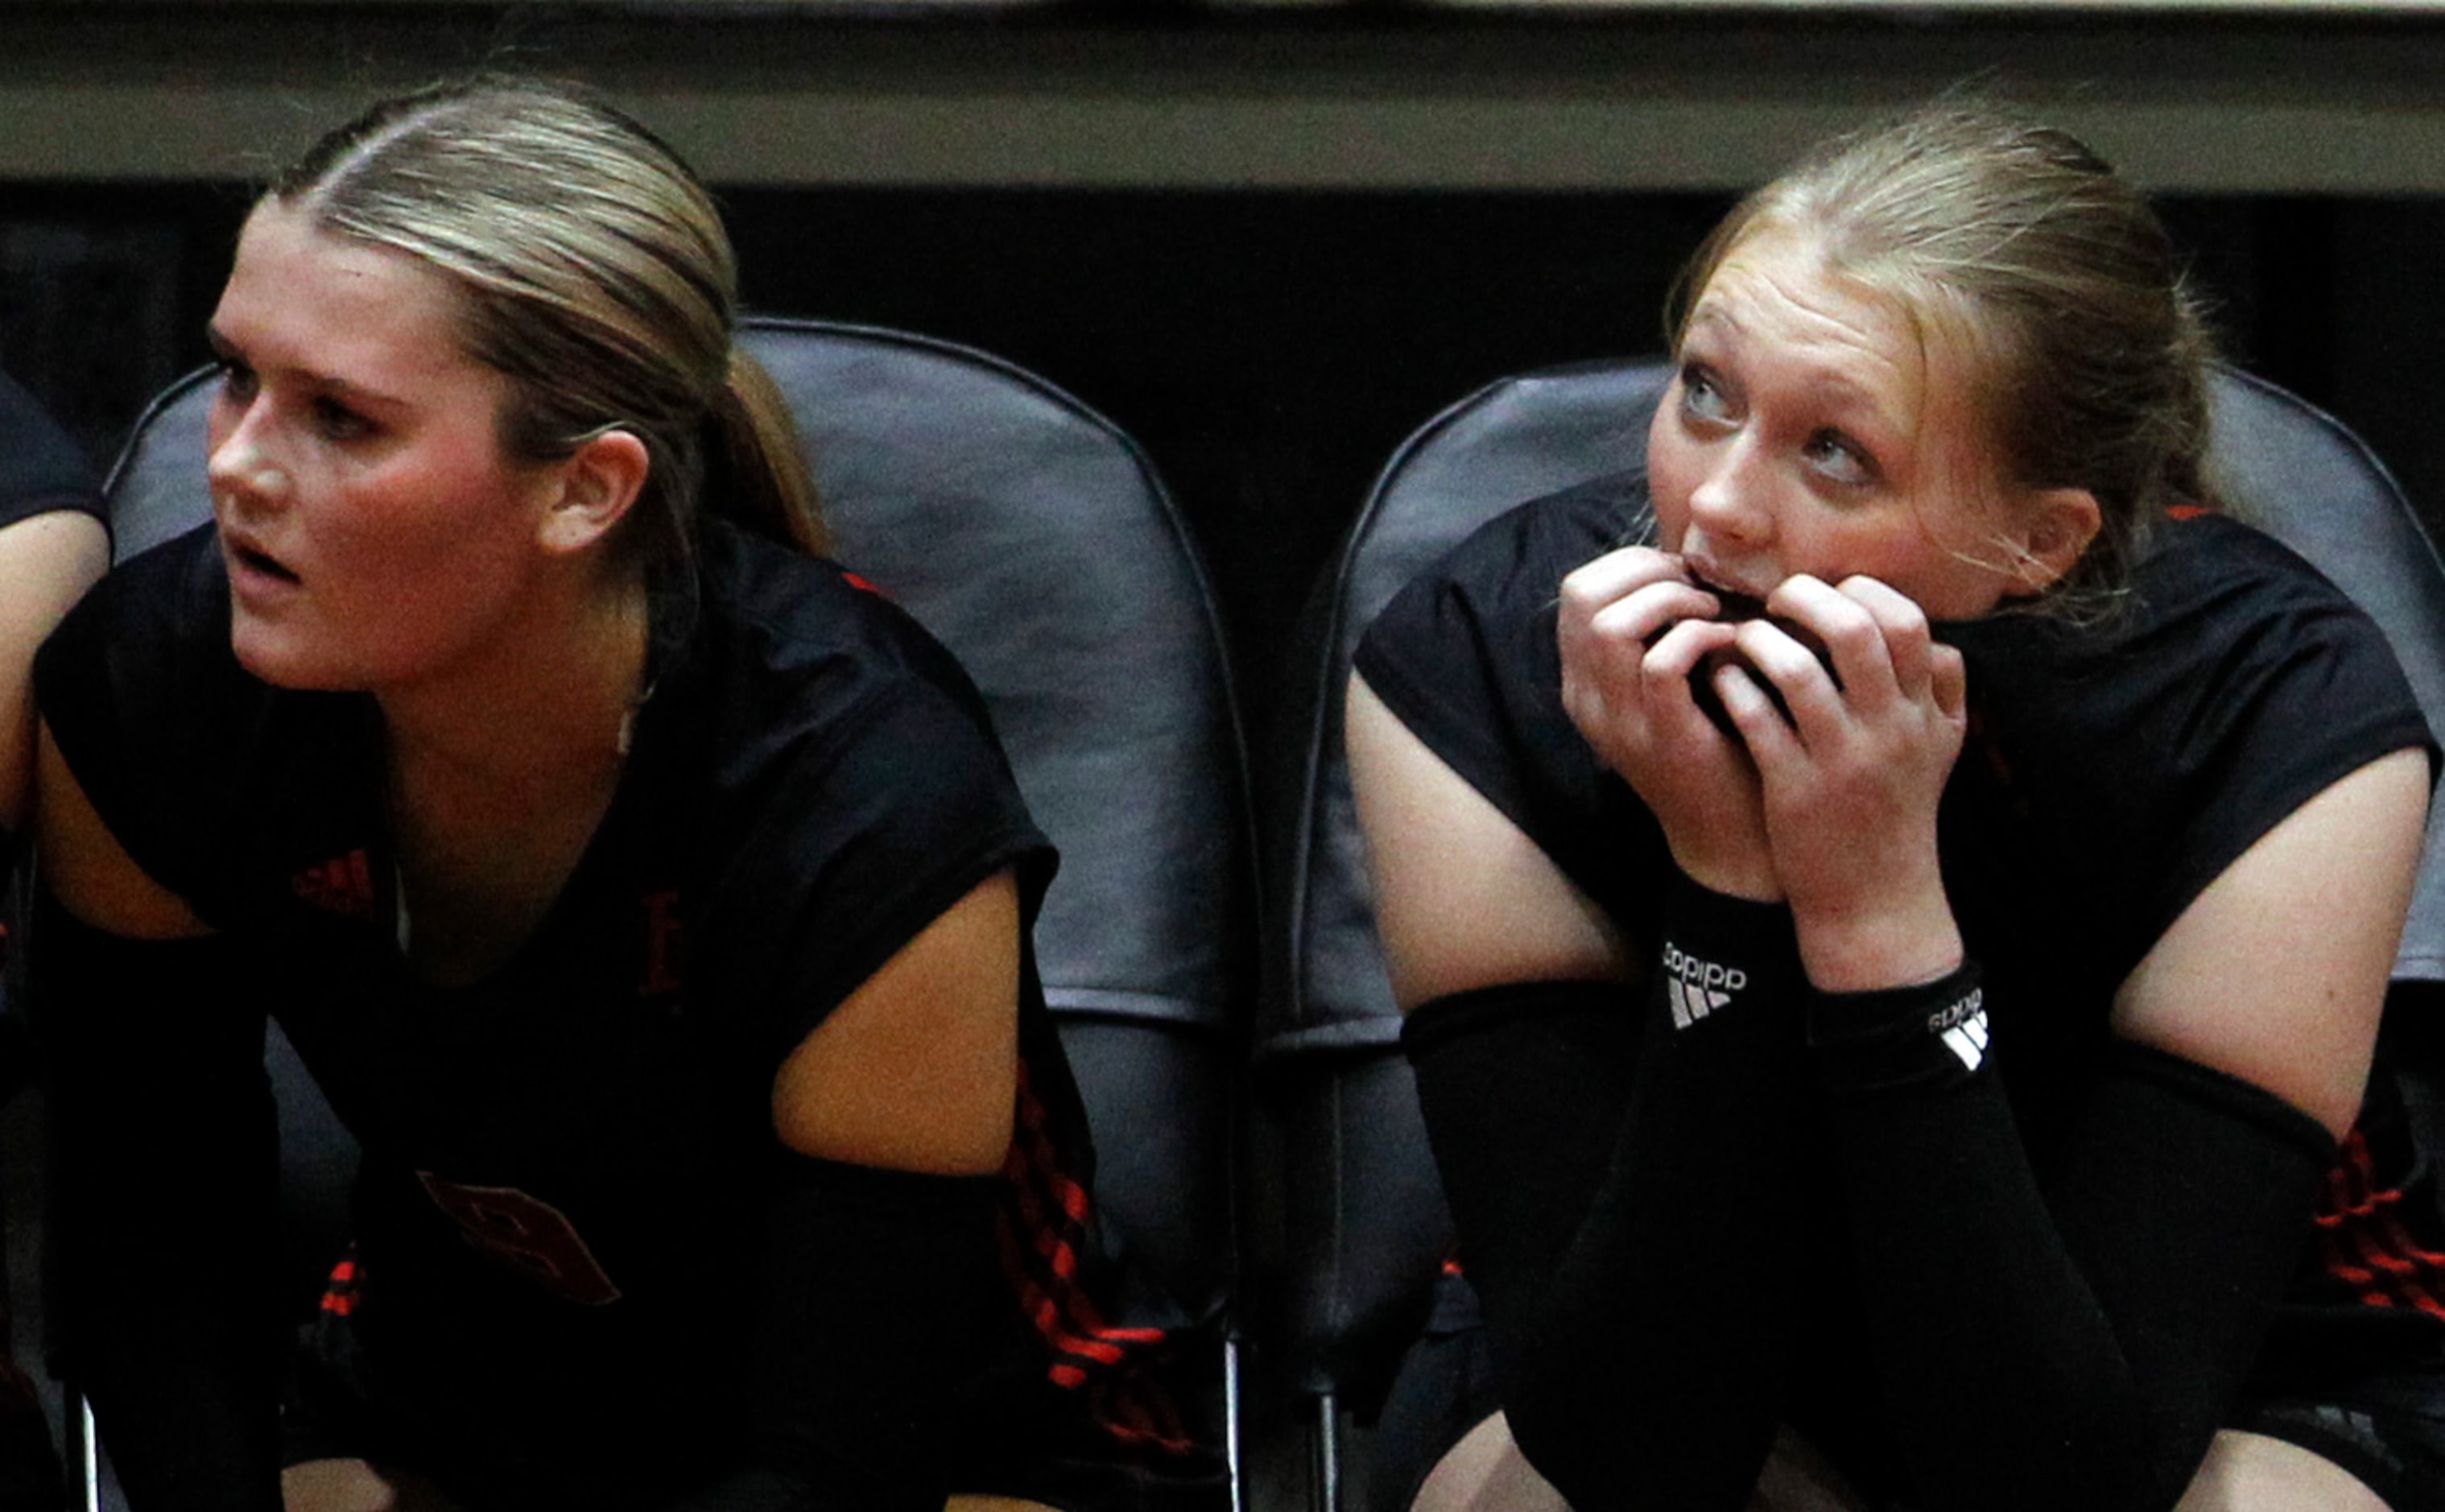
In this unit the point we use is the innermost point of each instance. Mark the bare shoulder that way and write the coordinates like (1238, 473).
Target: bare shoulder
(2277, 971)
(1463, 898)
(46, 562)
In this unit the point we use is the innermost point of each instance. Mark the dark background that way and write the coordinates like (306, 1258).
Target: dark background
(1269, 349)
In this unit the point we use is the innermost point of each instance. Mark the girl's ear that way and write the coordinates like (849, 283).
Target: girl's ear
(2057, 525)
(597, 485)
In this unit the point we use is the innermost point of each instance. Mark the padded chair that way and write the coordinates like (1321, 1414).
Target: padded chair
(1033, 538)
(1362, 1232)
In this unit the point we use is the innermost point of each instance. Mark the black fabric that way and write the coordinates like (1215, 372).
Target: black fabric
(41, 468)
(2113, 769)
(2090, 1328)
(567, 1163)
(1577, 1150)
(159, 1291)
(1871, 1041)
(842, 1421)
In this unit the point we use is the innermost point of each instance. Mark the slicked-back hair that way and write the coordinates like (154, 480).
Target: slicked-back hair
(2088, 352)
(595, 274)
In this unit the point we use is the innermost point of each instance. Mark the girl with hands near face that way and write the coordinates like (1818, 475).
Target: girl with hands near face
(1825, 790)
(1637, 636)
(1890, 1048)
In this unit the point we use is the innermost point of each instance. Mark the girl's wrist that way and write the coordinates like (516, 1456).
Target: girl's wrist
(1730, 871)
(1900, 943)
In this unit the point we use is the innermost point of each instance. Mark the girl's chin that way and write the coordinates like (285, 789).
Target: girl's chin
(276, 656)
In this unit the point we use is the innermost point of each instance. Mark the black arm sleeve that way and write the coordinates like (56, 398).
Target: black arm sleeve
(164, 1209)
(1617, 1210)
(2075, 1341)
(856, 1334)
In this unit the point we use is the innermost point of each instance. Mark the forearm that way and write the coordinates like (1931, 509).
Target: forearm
(165, 1201)
(862, 1309)
(1620, 1223)
(2071, 1352)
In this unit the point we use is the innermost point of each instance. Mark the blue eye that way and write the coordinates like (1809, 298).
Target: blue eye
(1699, 395)
(1838, 457)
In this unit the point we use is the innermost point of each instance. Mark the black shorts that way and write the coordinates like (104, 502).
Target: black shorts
(2387, 1429)
(1035, 1442)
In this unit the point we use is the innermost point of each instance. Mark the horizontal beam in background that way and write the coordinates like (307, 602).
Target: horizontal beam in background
(1652, 95)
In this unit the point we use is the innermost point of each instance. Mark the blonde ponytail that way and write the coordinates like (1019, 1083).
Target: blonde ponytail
(757, 464)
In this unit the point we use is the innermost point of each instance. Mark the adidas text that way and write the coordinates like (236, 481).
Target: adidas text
(1695, 988)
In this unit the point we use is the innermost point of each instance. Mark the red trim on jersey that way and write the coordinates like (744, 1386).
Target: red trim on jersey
(856, 582)
(343, 884)
(339, 1291)
(2186, 511)
(2364, 1242)
(1042, 1234)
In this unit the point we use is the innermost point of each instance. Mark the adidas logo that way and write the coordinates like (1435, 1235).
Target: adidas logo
(1695, 988)
(1963, 1027)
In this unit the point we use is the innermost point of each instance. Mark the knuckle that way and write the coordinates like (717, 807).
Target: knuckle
(1850, 632)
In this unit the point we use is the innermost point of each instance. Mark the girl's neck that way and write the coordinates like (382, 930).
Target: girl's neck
(550, 701)
(500, 777)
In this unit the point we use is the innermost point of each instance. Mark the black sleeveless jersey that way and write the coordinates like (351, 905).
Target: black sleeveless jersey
(2112, 771)
(556, 1214)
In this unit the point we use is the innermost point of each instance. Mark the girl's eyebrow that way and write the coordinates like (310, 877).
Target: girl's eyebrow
(229, 351)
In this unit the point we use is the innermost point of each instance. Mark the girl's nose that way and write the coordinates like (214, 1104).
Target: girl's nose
(1729, 506)
(239, 467)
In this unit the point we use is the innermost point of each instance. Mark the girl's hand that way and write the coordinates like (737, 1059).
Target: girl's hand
(1631, 702)
(1852, 781)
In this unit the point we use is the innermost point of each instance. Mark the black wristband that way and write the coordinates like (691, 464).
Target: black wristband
(1934, 1035)
(1719, 953)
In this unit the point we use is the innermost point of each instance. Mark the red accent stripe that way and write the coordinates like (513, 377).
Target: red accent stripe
(2186, 511)
(2364, 1242)
(1044, 1312)
(340, 1290)
(1058, 1241)
(1042, 1234)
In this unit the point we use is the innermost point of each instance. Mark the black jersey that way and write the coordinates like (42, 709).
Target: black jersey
(557, 1209)
(40, 469)
(2113, 769)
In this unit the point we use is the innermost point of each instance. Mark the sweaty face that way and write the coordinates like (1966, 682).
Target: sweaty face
(375, 535)
(1811, 429)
